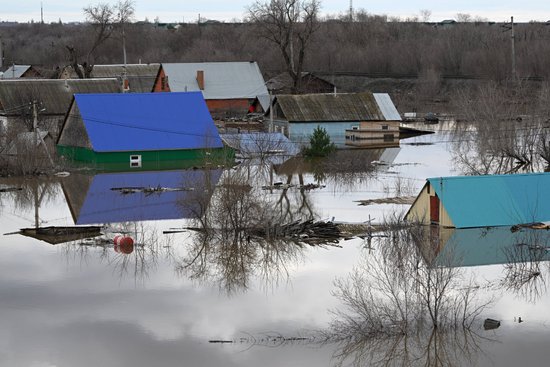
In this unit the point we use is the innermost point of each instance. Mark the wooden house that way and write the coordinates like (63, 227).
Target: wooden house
(309, 84)
(52, 97)
(483, 201)
(29, 71)
(348, 117)
(139, 131)
(231, 89)
(140, 78)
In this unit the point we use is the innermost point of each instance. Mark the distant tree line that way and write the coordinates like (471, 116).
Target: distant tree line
(368, 44)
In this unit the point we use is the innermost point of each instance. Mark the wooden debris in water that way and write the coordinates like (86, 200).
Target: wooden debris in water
(309, 232)
(402, 200)
(56, 235)
(278, 186)
(149, 190)
(537, 225)
(311, 186)
(10, 189)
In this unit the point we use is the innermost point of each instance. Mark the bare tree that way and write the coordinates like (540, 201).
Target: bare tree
(394, 297)
(289, 24)
(104, 19)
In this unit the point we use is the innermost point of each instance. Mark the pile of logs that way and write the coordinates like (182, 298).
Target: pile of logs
(308, 232)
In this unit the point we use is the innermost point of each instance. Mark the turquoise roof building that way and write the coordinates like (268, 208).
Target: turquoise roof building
(483, 201)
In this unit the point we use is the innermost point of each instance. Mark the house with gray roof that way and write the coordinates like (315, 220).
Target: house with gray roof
(351, 119)
(140, 78)
(52, 97)
(28, 71)
(230, 88)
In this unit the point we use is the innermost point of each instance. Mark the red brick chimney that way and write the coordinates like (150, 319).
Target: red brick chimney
(200, 79)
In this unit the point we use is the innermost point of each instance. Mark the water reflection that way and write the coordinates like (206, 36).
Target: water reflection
(435, 347)
(399, 310)
(524, 254)
(347, 169)
(139, 196)
(29, 194)
(244, 233)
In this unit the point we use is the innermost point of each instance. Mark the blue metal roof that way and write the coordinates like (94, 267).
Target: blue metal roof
(495, 200)
(147, 121)
(103, 205)
(254, 144)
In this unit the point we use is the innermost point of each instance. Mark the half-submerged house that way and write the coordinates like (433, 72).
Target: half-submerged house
(483, 201)
(231, 89)
(134, 131)
(347, 117)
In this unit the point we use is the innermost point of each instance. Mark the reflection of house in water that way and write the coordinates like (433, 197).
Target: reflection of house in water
(342, 161)
(92, 199)
(483, 246)
(483, 201)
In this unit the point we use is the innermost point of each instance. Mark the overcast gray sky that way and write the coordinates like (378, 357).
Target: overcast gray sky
(189, 10)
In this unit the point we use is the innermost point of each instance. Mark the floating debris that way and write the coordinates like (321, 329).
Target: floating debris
(278, 186)
(10, 189)
(56, 235)
(402, 200)
(221, 341)
(308, 232)
(490, 324)
(311, 186)
(536, 225)
(149, 190)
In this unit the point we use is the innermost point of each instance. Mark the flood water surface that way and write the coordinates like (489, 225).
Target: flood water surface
(246, 291)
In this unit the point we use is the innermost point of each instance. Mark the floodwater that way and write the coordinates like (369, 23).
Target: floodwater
(164, 300)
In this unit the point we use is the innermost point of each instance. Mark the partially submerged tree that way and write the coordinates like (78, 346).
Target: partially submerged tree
(290, 25)
(104, 19)
(320, 144)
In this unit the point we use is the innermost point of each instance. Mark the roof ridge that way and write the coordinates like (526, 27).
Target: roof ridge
(488, 176)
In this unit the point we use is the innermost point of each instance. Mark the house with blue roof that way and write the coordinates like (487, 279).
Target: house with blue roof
(483, 201)
(137, 131)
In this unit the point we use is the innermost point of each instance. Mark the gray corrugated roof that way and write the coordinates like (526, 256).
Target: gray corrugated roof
(141, 77)
(222, 80)
(387, 107)
(330, 107)
(15, 71)
(54, 95)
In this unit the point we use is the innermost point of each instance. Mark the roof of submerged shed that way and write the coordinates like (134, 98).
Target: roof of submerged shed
(494, 200)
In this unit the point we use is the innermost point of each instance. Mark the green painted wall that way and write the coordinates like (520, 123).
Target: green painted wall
(150, 160)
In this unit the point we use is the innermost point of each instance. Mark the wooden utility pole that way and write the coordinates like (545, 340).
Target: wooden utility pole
(37, 138)
(514, 75)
